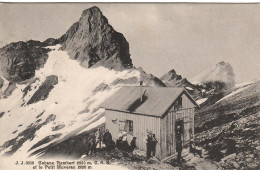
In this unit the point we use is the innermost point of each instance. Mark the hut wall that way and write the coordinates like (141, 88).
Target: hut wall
(115, 122)
(186, 113)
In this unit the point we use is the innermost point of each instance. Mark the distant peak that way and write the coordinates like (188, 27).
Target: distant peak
(172, 71)
(91, 11)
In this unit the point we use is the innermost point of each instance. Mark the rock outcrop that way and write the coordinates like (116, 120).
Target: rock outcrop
(92, 41)
(1, 82)
(18, 61)
(44, 89)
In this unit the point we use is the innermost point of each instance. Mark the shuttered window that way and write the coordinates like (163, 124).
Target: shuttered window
(129, 126)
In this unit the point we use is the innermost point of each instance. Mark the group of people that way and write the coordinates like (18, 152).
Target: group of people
(96, 140)
(151, 142)
(122, 143)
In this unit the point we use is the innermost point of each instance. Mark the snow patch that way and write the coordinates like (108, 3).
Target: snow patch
(189, 88)
(200, 101)
(233, 93)
(243, 84)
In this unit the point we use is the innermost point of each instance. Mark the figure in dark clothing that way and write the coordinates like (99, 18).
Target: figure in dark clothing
(133, 144)
(153, 145)
(90, 147)
(107, 139)
(119, 142)
(178, 143)
(93, 147)
(124, 145)
(148, 140)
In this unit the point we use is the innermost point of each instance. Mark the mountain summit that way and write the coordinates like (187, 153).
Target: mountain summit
(221, 75)
(92, 41)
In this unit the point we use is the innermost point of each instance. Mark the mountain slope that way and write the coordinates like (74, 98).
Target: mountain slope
(229, 129)
(55, 103)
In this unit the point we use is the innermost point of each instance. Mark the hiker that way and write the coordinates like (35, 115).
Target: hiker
(133, 144)
(98, 135)
(124, 145)
(153, 145)
(178, 143)
(148, 140)
(119, 142)
(90, 147)
(107, 138)
(93, 146)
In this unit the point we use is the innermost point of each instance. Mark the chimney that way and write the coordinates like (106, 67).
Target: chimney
(142, 93)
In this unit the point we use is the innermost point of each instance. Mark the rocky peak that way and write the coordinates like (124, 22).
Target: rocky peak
(220, 76)
(171, 78)
(92, 41)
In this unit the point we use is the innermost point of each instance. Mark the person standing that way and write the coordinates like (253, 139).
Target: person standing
(148, 140)
(133, 144)
(124, 145)
(178, 143)
(107, 139)
(119, 142)
(153, 145)
(98, 137)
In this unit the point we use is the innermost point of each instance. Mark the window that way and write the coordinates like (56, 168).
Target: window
(129, 126)
(178, 104)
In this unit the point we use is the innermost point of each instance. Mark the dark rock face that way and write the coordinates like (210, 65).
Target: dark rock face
(1, 82)
(51, 42)
(9, 90)
(172, 79)
(18, 61)
(44, 89)
(92, 41)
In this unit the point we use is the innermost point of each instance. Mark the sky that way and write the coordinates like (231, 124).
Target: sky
(163, 36)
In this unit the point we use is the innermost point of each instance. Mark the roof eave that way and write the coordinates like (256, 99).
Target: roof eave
(135, 113)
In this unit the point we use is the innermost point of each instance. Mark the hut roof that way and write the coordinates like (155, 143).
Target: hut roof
(155, 100)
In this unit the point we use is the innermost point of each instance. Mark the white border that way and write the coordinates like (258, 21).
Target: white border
(139, 1)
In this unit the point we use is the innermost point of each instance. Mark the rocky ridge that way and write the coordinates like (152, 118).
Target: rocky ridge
(172, 79)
